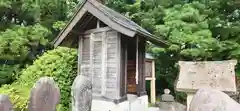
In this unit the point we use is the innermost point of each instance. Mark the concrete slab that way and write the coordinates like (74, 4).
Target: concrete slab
(153, 109)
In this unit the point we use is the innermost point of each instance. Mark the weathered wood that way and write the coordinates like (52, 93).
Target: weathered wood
(148, 68)
(92, 8)
(85, 63)
(45, 95)
(81, 94)
(80, 46)
(69, 26)
(104, 76)
(102, 29)
(112, 65)
(96, 58)
(5, 103)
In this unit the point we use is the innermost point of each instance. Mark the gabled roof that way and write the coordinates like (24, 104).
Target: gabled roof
(111, 18)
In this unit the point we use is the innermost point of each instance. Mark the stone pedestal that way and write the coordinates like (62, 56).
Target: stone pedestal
(189, 99)
(135, 104)
(194, 75)
(101, 105)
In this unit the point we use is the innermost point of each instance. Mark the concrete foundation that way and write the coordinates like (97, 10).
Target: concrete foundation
(133, 103)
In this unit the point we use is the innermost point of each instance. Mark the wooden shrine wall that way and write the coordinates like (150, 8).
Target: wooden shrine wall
(100, 61)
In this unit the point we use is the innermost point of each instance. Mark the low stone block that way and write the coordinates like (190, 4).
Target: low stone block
(212, 100)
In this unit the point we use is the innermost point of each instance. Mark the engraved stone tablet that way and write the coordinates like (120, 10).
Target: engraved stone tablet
(5, 104)
(218, 75)
(81, 94)
(45, 95)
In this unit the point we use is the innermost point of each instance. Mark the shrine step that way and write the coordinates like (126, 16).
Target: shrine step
(131, 97)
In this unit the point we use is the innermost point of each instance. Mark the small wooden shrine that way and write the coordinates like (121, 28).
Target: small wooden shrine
(111, 50)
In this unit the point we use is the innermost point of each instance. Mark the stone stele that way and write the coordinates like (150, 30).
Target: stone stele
(218, 75)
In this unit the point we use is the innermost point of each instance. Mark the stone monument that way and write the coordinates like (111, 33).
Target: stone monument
(213, 100)
(81, 94)
(167, 97)
(219, 75)
(5, 103)
(167, 103)
(45, 95)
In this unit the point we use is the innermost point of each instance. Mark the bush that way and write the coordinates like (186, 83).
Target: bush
(59, 63)
(8, 73)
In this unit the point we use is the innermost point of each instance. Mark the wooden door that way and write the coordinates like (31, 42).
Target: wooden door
(131, 73)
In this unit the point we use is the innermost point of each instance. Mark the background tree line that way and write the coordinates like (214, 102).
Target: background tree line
(196, 29)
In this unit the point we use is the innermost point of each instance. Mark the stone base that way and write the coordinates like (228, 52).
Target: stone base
(137, 104)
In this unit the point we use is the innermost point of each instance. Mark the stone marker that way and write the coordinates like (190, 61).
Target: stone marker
(81, 94)
(167, 97)
(45, 95)
(194, 75)
(212, 100)
(5, 104)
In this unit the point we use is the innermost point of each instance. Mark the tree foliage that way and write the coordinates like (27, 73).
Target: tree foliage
(59, 63)
(196, 29)
(20, 43)
(28, 26)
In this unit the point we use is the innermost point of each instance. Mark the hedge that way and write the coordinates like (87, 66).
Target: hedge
(59, 63)
(8, 73)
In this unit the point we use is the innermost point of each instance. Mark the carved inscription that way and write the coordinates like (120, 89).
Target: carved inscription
(218, 75)
(44, 96)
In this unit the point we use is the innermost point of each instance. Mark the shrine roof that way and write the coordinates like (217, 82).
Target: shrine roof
(111, 18)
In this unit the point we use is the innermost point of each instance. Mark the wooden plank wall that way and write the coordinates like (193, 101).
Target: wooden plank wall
(101, 61)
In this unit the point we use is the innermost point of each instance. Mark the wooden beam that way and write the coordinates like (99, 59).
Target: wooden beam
(86, 22)
(80, 47)
(153, 84)
(104, 72)
(92, 8)
(98, 23)
(69, 27)
(102, 29)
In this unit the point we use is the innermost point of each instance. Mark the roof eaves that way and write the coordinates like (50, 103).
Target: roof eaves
(105, 10)
(81, 4)
(154, 38)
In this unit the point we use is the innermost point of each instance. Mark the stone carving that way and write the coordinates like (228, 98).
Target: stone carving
(212, 100)
(81, 94)
(5, 104)
(167, 97)
(45, 95)
(218, 75)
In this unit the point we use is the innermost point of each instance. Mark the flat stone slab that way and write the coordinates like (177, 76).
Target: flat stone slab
(153, 109)
(218, 75)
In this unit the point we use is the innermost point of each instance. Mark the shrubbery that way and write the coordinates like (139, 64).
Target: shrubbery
(59, 63)
(8, 73)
